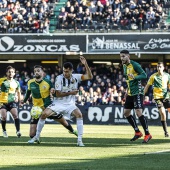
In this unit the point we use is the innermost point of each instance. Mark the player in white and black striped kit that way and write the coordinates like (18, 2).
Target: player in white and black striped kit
(66, 87)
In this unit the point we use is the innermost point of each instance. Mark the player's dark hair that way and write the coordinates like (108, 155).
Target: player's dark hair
(68, 65)
(38, 66)
(160, 63)
(10, 67)
(124, 52)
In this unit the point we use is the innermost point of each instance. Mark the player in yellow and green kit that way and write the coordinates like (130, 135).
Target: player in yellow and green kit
(9, 88)
(40, 89)
(134, 99)
(160, 82)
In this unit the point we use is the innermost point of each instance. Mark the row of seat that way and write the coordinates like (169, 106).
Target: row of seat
(61, 3)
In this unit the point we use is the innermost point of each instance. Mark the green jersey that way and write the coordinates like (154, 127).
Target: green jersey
(160, 85)
(134, 85)
(40, 92)
(8, 90)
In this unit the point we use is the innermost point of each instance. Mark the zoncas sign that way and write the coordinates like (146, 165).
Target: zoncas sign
(34, 43)
(51, 48)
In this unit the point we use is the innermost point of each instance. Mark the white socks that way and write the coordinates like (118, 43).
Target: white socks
(40, 126)
(80, 128)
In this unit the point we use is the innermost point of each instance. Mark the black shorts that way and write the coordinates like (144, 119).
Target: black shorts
(162, 103)
(134, 102)
(9, 106)
(34, 121)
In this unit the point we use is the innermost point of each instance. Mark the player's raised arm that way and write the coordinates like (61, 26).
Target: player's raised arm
(146, 89)
(88, 75)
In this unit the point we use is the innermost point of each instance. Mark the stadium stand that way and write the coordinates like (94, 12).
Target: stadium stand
(117, 15)
(44, 16)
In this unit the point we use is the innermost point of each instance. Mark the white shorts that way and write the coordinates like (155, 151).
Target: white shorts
(66, 109)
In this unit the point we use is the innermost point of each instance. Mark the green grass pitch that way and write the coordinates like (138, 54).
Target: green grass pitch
(107, 148)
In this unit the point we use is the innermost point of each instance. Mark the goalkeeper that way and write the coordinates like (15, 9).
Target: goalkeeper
(40, 89)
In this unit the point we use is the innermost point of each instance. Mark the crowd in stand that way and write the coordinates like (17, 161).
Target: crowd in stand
(18, 16)
(32, 16)
(108, 86)
(128, 14)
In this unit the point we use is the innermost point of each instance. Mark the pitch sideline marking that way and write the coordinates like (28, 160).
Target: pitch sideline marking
(157, 152)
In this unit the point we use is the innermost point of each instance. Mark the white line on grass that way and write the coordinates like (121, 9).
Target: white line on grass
(157, 152)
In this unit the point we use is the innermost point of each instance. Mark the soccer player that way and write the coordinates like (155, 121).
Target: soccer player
(40, 89)
(134, 99)
(9, 89)
(160, 82)
(66, 87)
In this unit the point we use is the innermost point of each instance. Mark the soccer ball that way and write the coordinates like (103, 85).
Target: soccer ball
(36, 112)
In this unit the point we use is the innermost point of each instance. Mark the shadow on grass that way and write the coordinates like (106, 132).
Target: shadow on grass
(121, 162)
(71, 142)
(124, 161)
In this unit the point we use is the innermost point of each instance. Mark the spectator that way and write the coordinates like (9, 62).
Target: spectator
(62, 18)
(70, 21)
(84, 6)
(104, 101)
(116, 17)
(24, 69)
(92, 8)
(102, 87)
(79, 101)
(141, 18)
(79, 18)
(119, 101)
(4, 25)
(9, 17)
(35, 26)
(76, 5)
(67, 7)
(81, 89)
(99, 96)
(88, 102)
(126, 18)
(107, 95)
(150, 17)
(28, 7)
(146, 101)
(99, 12)
(27, 24)
(132, 5)
(19, 24)
(87, 18)
(46, 74)
(116, 4)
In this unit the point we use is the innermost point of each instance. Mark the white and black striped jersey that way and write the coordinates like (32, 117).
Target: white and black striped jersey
(65, 85)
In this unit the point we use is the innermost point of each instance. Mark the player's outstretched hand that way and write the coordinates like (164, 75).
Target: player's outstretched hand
(83, 60)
